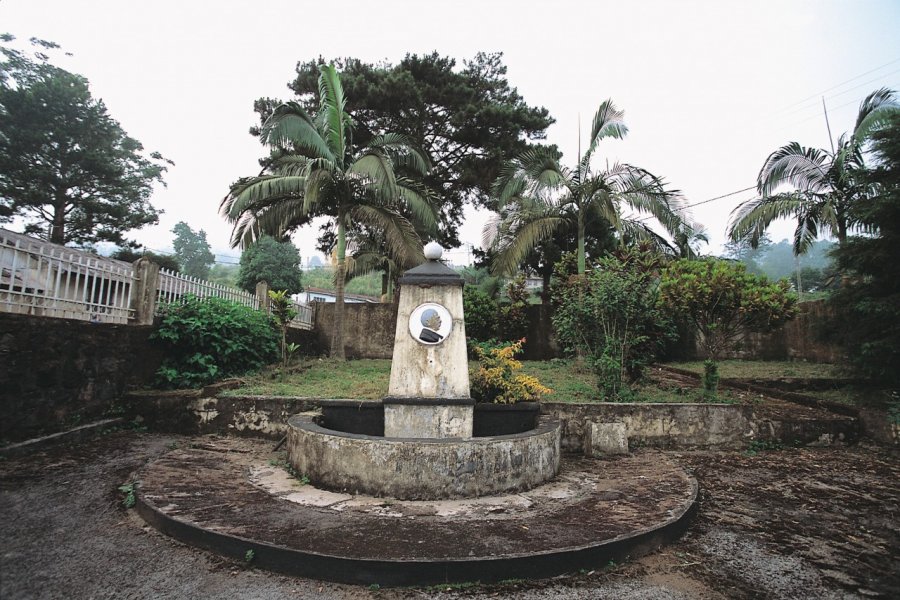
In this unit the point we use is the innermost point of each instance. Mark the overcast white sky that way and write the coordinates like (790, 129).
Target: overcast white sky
(709, 88)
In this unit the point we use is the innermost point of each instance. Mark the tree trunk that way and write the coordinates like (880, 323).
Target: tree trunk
(337, 334)
(581, 259)
(58, 227)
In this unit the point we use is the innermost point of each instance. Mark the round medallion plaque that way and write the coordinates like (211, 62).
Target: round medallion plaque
(430, 323)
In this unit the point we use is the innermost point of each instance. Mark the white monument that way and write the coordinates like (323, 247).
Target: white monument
(428, 395)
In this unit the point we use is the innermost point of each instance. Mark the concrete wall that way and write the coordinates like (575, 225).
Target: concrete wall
(368, 329)
(56, 373)
(659, 425)
(370, 334)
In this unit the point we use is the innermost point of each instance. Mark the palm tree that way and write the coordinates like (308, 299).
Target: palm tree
(826, 184)
(317, 171)
(538, 196)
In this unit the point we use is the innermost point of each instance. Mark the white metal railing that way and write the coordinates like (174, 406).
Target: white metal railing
(43, 279)
(174, 287)
(304, 317)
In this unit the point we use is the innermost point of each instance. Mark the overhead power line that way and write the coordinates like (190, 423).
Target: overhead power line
(817, 95)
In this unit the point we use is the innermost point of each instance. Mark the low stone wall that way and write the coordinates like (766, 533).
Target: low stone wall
(196, 412)
(57, 373)
(658, 425)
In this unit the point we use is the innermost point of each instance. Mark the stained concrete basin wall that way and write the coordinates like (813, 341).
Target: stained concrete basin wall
(660, 425)
(411, 469)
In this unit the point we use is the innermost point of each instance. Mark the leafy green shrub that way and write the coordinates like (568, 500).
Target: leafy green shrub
(497, 378)
(610, 316)
(513, 322)
(724, 302)
(204, 340)
(480, 313)
(283, 312)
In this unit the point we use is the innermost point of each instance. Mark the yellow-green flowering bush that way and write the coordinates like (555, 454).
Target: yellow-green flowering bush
(498, 380)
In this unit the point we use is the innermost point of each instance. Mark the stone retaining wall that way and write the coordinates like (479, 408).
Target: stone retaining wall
(658, 425)
(57, 373)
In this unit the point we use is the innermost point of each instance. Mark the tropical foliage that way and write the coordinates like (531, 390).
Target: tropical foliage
(868, 302)
(467, 119)
(283, 311)
(825, 185)
(610, 316)
(207, 339)
(480, 312)
(538, 196)
(723, 302)
(319, 169)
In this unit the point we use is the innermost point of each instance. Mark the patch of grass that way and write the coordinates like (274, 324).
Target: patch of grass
(573, 382)
(365, 379)
(368, 379)
(569, 381)
(762, 369)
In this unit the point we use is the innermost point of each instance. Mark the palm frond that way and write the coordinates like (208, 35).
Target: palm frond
(289, 126)
(804, 168)
(403, 152)
(376, 166)
(403, 244)
(531, 173)
(874, 111)
(750, 219)
(608, 122)
(332, 109)
(421, 202)
(490, 231)
(527, 236)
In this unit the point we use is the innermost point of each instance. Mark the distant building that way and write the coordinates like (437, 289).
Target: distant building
(320, 295)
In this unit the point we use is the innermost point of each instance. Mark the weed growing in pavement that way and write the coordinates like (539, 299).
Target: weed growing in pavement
(757, 446)
(249, 555)
(128, 490)
(283, 464)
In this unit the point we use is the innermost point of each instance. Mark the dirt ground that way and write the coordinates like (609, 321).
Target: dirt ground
(792, 523)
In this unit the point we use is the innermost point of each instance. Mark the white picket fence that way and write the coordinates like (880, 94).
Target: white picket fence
(173, 287)
(41, 279)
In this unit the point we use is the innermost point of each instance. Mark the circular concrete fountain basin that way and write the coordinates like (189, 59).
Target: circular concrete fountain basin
(422, 468)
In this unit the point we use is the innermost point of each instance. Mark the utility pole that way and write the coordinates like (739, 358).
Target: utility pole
(828, 125)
